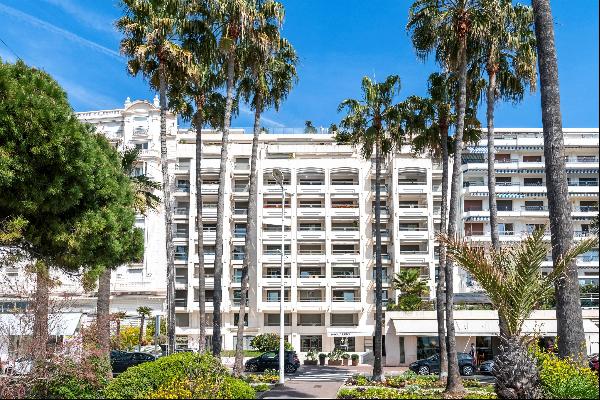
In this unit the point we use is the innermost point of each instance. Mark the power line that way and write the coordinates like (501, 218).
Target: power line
(11, 50)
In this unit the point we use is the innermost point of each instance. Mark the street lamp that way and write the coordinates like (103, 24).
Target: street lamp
(278, 175)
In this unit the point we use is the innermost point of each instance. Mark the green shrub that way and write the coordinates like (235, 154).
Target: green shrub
(387, 393)
(261, 387)
(223, 387)
(247, 353)
(142, 380)
(477, 394)
(268, 342)
(564, 379)
(355, 357)
(395, 381)
(471, 383)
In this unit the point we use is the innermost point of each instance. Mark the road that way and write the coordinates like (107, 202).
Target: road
(311, 382)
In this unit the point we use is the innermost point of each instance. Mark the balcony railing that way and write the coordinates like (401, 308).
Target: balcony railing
(584, 183)
(345, 182)
(310, 252)
(534, 183)
(311, 299)
(506, 161)
(534, 208)
(181, 256)
(310, 228)
(241, 188)
(581, 159)
(209, 228)
(182, 211)
(384, 209)
(382, 188)
(237, 256)
(344, 228)
(313, 274)
(347, 275)
(276, 299)
(181, 235)
(506, 233)
(344, 206)
(412, 206)
(183, 188)
(240, 211)
(346, 299)
(411, 182)
(589, 300)
(180, 302)
(276, 275)
(589, 258)
(414, 251)
(308, 205)
(413, 228)
(344, 252)
(240, 233)
(316, 182)
(585, 208)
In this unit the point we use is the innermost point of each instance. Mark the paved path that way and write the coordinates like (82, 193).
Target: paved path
(311, 383)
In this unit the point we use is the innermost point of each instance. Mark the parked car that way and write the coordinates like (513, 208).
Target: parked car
(431, 365)
(594, 362)
(120, 360)
(486, 367)
(270, 360)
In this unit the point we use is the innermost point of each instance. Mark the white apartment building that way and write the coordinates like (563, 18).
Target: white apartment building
(329, 250)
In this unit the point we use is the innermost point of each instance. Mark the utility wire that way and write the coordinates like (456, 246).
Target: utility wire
(11, 50)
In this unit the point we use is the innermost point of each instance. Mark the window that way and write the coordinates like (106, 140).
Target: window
(504, 205)
(274, 271)
(503, 180)
(237, 275)
(533, 182)
(506, 229)
(308, 342)
(181, 342)
(344, 320)
(310, 226)
(237, 297)
(345, 271)
(181, 231)
(142, 146)
(310, 272)
(273, 319)
(239, 231)
(344, 249)
(181, 253)
(473, 205)
(242, 163)
(246, 344)
(182, 320)
(532, 227)
(345, 295)
(238, 252)
(532, 158)
(180, 298)
(536, 205)
(401, 348)
(275, 249)
(236, 320)
(310, 203)
(474, 229)
(502, 158)
(313, 295)
(345, 343)
(310, 319)
(314, 249)
(427, 346)
(208, 295)
(273, 295)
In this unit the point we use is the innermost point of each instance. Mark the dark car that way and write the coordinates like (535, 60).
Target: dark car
(431, 365)
(270, 360)
(486, 367)
(121, 360)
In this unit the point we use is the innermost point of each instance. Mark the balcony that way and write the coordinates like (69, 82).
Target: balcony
(179, 189)
(182, 169)
(181, 212)
(412, 210)
(210, 188)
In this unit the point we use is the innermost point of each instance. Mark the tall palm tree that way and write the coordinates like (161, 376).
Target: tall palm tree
(143, 312)
(150, 29)
(509, 59)
(118, 317)
(428, 121)
(269, 76)
(195, 96)
(373, 124)
(568, 306)
(145, 199)
(236, 18)
(446, 27)
(513, 280)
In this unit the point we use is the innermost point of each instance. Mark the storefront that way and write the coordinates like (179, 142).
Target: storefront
(412, 336)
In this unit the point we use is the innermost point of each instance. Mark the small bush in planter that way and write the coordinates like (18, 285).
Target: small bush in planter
(311, 357)
(345, 358)
(335, 357)
(322, 357)
(355, 359)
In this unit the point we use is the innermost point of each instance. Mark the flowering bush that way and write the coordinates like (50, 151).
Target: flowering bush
(182, 375)
(268, 342)
(564, 379)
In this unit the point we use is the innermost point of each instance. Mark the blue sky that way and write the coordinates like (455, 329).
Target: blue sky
(338, 42)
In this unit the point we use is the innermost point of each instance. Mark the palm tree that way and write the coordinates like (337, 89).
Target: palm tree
(412, 289)
(143, 313)
(568, 306)
(118, 317)
(309, 127)
(145, 199)
(509, 58)
(513, 280)
(374, 123)
(195, 96)
(270, 73)
(149, 28)
(236, 19)
(428, 121)
(446, 27)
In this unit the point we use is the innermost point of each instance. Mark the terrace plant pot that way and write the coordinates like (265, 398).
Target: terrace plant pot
(322, 359)
(345, 361)
(334, 362)
(354, 362)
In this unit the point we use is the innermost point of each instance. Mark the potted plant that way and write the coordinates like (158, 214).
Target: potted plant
(322, 357)
(345, 358)
(311, 357)
(355, 358)
(335, 357)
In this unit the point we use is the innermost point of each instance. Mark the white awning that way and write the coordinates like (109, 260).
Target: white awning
(480, 327)
(63, 324)
(350, 332)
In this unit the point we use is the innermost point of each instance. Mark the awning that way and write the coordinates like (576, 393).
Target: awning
(351, 332)
(510, 195)
(63, 324)
(410, 327)
(476, 218)
(475, 327)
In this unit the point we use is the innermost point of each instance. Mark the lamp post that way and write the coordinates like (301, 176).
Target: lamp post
(278, 175)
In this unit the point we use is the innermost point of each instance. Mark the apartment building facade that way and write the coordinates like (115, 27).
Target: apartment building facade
(329, 224)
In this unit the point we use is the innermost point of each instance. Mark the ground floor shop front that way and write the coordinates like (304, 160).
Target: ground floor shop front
(411, 336)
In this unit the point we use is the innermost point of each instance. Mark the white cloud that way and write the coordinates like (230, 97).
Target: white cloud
(263, 119)
(55, 29)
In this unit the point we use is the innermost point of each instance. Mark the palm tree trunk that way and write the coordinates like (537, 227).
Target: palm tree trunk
(454, 384)
(251, 241)
(166, 187)
(217, 296)
(377, 345)
(491, 98)
(40, 323)
(142, 326)
(200, 228)
(568, 306)
(439, 289)
(103, 311)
